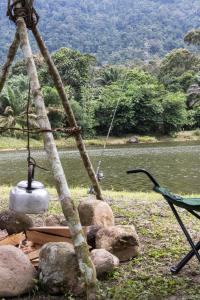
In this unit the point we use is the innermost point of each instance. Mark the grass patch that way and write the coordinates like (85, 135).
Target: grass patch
(10, 143)
(162, 245)
(147, 139)
(193, 135)
(197, 132)
(7, 143)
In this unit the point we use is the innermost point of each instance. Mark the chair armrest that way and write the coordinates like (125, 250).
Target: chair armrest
(145, 172)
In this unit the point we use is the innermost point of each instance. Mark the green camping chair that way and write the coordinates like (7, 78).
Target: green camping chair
(190, 204)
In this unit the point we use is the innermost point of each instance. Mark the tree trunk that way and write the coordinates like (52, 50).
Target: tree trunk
(10, 57)
(72, 121)
(86, 266)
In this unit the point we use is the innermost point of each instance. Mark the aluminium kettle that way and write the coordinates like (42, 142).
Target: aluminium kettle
(29, 197)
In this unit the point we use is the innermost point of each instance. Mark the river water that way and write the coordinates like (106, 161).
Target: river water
(176, 166)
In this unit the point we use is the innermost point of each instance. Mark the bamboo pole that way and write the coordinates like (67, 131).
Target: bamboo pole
(71, 118)
(10, 57)
(81, 248)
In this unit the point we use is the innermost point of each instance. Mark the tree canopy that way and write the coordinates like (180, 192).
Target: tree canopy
(148, 101)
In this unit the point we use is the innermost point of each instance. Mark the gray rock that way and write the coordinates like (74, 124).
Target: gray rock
(14, 222)
(120, 240)
(103, 261)
(38, 221)
(49, 220)
(133, 140)
(52, 220)
(16, 272)
(59, 271)
(91, 235)
(95, 212)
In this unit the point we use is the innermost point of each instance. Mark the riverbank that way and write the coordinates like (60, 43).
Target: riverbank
(162, 245)
(9, 144)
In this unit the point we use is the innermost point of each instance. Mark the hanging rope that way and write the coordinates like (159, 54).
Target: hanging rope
(31, 161)
(26, 11)
(27, 124)
(71, 131)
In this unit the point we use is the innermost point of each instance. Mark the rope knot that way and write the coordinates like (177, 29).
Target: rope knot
(26, 11)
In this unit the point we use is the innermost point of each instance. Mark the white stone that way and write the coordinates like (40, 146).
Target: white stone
(95, 212)
(16, 272)
(103, 261)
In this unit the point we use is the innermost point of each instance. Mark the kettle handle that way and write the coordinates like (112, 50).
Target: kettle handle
(31, 170)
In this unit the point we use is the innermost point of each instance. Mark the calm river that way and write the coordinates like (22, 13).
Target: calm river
(174, 165)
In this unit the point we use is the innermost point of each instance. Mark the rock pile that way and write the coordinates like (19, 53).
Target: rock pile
(14, 222)
(50, 249)
(121, 240)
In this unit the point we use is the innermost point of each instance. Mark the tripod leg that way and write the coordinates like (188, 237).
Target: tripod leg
(10, 57)
(70, 212)
(66, 104)
(185, 260)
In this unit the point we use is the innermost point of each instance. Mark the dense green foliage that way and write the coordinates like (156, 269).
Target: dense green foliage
(178, 69)
(147, 101)
(146, 106)
(193, 37)
(113, 30)
(13, 104)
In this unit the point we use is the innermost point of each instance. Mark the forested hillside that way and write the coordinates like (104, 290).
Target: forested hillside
(114, 31)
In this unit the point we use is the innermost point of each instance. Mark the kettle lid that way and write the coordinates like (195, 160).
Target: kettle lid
(34, 185)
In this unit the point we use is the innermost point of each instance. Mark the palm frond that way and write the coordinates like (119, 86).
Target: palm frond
(8, 111)
(53, 109)
(22, 120)
(7, 121)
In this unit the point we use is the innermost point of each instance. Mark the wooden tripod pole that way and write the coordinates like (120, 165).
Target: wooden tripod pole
(10, 57)
(70, 212)
(65, 101)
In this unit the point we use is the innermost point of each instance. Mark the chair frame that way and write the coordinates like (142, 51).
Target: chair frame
(195, 248)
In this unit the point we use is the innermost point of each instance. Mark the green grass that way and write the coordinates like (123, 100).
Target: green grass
(10, 143)
(197, 132)
(147, 139)
(148, 276)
